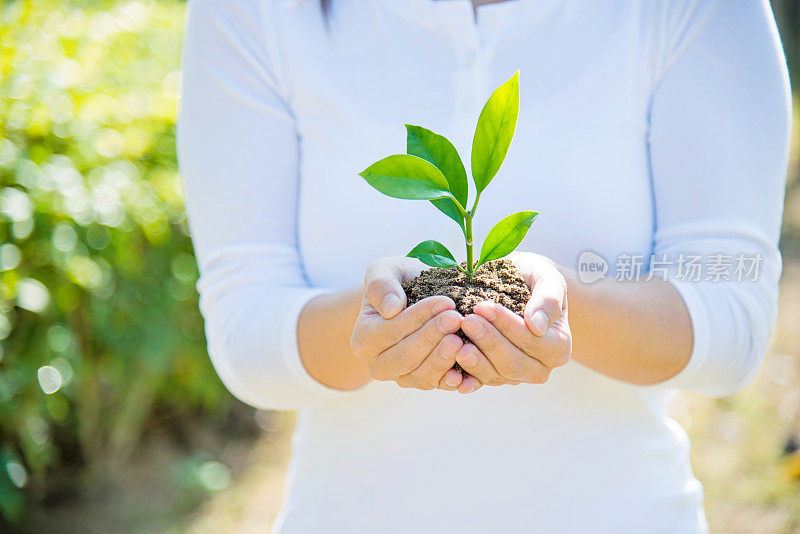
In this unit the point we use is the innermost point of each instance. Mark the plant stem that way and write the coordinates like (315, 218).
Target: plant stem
(470, 245)
(468, 234)
(475, 205)
(458, 205)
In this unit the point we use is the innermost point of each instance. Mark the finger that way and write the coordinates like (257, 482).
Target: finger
(431, 371)
(509, 361)
(478, 384)
(451, 379)
(552, 349)
(563, 340)
(383, 287)
(469, 384)
(548, 296)
(472, 360)
(376, 334)
(409, 353)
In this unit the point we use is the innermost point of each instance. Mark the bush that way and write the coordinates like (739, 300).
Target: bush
(98, 311)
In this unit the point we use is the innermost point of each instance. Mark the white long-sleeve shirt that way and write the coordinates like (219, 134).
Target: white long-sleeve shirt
(646, 127)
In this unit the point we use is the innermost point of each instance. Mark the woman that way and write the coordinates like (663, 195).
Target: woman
(646, 127)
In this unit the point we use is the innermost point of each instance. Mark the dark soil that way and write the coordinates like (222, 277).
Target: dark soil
(496, 280)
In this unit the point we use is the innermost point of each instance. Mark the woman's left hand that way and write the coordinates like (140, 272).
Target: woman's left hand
(507, 349)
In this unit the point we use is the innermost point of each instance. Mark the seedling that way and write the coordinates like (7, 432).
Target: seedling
(432, 170)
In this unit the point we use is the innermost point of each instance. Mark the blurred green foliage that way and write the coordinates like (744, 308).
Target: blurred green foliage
(99, 323)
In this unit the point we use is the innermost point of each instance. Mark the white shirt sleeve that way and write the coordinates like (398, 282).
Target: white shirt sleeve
(238, 152)
(719, 134)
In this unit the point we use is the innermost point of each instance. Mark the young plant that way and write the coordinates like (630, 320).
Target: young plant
(432, 170)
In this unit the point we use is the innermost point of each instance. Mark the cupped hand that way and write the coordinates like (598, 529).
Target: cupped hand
(509, 349)
(415, 347)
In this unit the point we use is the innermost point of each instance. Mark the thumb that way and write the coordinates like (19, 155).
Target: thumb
(383, 287)
(546, 304)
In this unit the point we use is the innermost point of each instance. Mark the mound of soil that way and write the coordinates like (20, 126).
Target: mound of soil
(496, 280)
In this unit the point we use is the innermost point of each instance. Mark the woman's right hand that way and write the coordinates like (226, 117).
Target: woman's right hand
(415, 346)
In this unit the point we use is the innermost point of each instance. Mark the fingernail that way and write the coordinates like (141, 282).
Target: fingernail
(391, 305)
(540, 322)
(449, 349)
(447, 323)
(473, 327)
(470, 360)
(451, 380)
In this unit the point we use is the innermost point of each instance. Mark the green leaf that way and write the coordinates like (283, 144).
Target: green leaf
(438, 150)
(408, 177)
(449, 208)
(505, 236)
(433, 253)
(494, 132)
